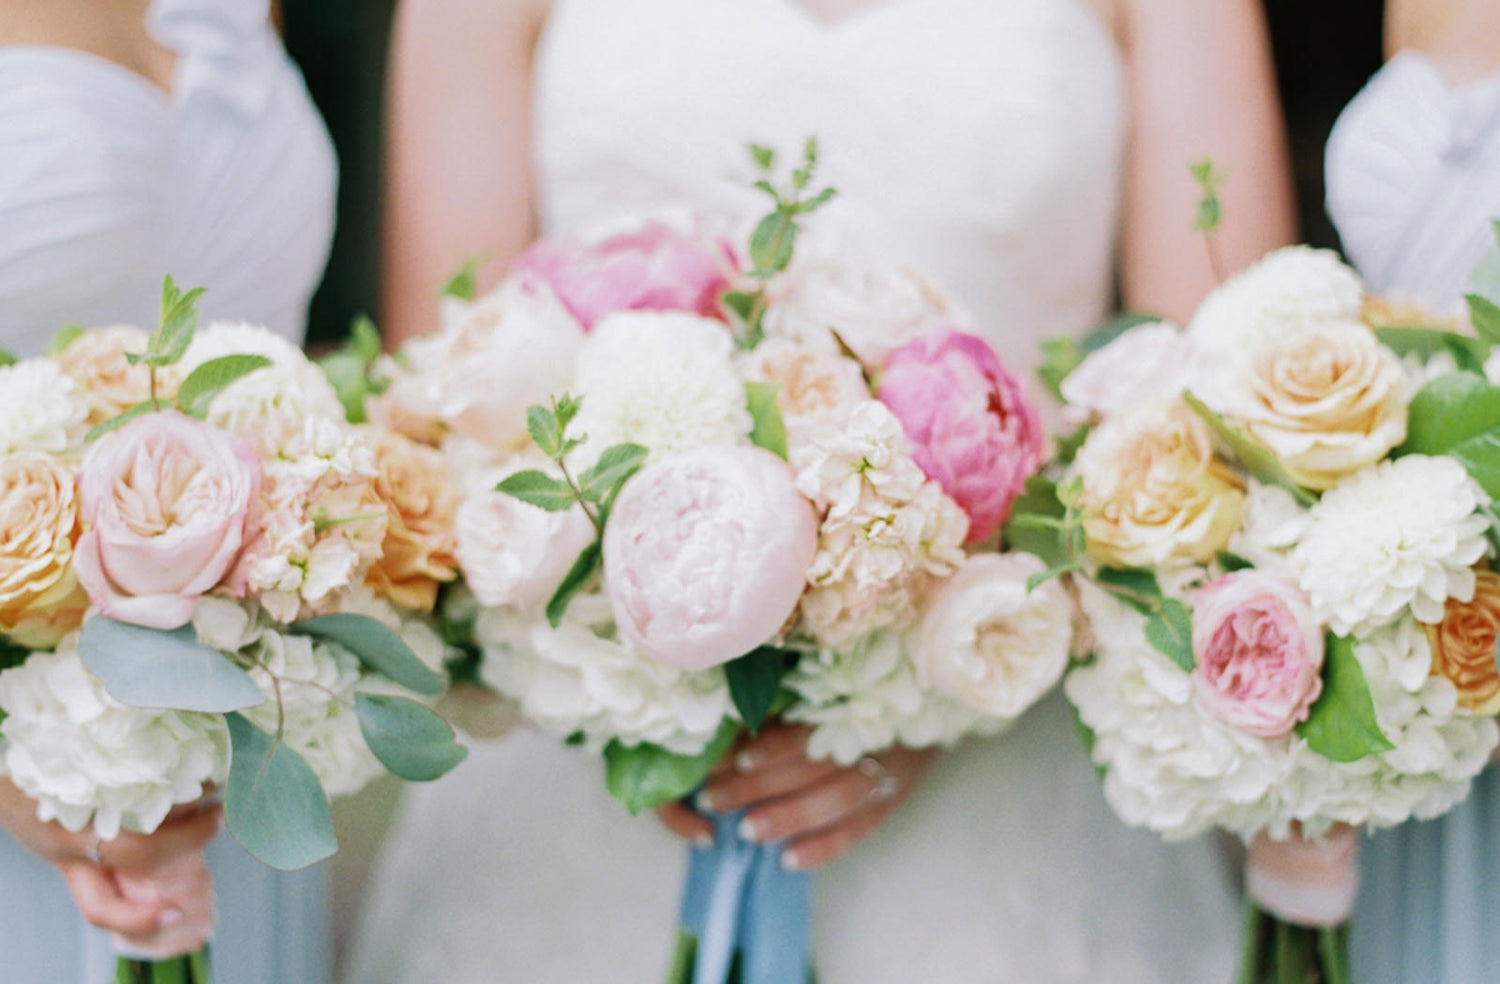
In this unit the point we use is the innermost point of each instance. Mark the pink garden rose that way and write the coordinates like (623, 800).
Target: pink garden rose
(165, 499)
(1259, 650)
(706, 554)
(971, 427)
(654, 268)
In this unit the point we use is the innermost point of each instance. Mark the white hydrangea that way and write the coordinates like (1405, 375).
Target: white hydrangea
(866, 699)
(40, 409)
(1271, 523)
(269, 406)
(1402, 534)
(1287, 289)
(85, 757)
(663, 380)
(578, 680)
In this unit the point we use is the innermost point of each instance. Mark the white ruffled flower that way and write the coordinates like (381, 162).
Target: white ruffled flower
(270, 406)
(578, 680)
(1144, 364)
(663, 380)
(1403, 534)
(1492, 367)
(1271, 523)
(40, 409)
(869, 456)
(83, 756)
(866, 699)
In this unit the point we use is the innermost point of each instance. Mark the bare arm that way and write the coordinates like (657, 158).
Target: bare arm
(458, 154)
(1200, 83)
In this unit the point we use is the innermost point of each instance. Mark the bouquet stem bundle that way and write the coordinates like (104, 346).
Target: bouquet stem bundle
(1279, 952)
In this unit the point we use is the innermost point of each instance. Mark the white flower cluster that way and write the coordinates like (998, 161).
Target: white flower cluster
(1492, 367)
(85, 757)
(41, 409)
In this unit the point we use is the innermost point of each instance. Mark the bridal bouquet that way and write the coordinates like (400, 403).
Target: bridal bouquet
(1280, 523)
(210, 584)
(704, 493)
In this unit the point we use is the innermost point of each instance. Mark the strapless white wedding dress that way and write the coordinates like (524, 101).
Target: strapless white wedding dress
(978, 140)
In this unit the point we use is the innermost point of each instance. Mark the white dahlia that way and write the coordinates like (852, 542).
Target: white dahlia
(40, 409)
(1271, 523)
(1403, 534)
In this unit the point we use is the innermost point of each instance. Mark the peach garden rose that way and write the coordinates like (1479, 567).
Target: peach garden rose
(421, 505)
(40, 600)
(1463, 645)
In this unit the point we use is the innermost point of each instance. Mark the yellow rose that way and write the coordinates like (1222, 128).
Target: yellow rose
(1463, 645)
(1327, 401)
(420, 543)
(1396, 312)
(1153, 492)
(96, 362)
(40, 600)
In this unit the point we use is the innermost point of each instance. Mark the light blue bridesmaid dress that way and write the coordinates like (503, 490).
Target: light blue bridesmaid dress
(106, 184)
(1413, 169)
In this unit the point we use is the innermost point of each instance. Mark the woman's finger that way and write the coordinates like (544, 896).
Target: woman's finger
(774, 745)
(824, 846)
(737, 790)
(98, 897)
(186, 834)
(812, 808)
(685, 822)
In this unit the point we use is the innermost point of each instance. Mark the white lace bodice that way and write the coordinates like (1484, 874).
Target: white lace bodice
(107, 183)
(976, 140)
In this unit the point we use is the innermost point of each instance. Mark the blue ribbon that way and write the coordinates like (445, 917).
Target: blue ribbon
(738, 897)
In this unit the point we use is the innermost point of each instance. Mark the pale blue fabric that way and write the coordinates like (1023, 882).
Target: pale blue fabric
(106, 185)
(1413, 185)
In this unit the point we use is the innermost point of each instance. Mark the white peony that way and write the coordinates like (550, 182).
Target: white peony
(578, 680)
(1403, 534)
(663, 380)
(270, 406)
(41, 409)
(85, 757)
(867, 698)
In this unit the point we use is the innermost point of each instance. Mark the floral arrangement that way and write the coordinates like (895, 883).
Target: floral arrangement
(1279, 522)
(211, 584)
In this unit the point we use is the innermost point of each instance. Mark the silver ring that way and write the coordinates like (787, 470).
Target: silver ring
(91, 849)
(885, 785)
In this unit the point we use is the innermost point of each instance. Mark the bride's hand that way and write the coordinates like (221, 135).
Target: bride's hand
(1307, 882)
(819, 808)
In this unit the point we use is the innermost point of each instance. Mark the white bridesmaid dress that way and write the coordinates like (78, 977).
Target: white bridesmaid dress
(979, 141)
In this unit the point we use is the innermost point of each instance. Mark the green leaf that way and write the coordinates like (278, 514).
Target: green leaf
(11, 654)
(539, 489)
(545, 430)
(1210, 182)
(1042, 577)
(179, 319)
(1231, 562)
(1480, 456)
(464, 284)
(274, 805)
(1065, 448)
(116, 422)
(590, 560)
(1112, 328)
(1060, 356)
(65, 338)
(6, 359)
(377, 647)
(1037, 500)
(816, 201)
(769, 431)
(1341, 726)
(1133, 586)
(739, 303)
(754, 680)
(407, 738)
(644, 777)
(1424, 343)
(1485, 316)
(772, 242)
(348, 368)
(1256, 458)
(207, 381)
(1450, 410)
(1170, 631)
(161, 668)
(764, 157)
(614, 467)
(566, 407)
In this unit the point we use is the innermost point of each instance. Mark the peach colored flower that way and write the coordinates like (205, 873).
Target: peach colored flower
(96, 362)
(1463, 645)
(816, 389)
(40, 600)
(420, 543)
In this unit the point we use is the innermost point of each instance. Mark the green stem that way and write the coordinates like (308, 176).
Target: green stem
(1333, 953)
(1252, 944)
(578, 494)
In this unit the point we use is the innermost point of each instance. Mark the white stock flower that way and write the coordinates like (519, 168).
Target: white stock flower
(83, 756)
(40, 409)
(663, 380)
(869, 456)
(1403, 534)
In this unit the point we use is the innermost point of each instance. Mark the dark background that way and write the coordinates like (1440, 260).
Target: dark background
(1325, 50)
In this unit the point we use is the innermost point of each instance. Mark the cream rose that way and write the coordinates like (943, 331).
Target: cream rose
(1463, 645)
(1327, 400)
(420, 540)
(816, 389)
(40, 600)
(96, 362)
(1153, 491)
(987, 642)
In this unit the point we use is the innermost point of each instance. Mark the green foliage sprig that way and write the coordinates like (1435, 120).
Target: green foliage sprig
(1209, 216)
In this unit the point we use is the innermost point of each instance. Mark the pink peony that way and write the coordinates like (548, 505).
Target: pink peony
(1260, 653)
(972, 429)
(706, 554)
(654, 268)
(165, 499)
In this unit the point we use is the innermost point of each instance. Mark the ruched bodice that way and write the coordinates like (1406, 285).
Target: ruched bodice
(107, 183)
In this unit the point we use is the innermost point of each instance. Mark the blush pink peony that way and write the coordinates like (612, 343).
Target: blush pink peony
(971, 427)
(652, 268)
(1259, 650)
(706, 554)
(165, 500)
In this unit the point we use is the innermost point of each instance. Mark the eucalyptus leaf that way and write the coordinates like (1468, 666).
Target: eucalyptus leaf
(645, 776)
(769, 430)
(1170, 631)
(273, 804)
(407, 738)
(589, 562)
(614, 467)
(1450, 410)
(539, 489)
(772, 243)
(1341, 726)
(377, 647)
(208, 380)
(116, 422)
(162, 668)
(1256, 458)
(754, 680)
(65, 338)
(1133, 586)
(1485, 316)
(1468, 353)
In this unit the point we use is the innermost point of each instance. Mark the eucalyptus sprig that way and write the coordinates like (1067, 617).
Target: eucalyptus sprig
(594, 490)
(1210, 215)
(775, 237)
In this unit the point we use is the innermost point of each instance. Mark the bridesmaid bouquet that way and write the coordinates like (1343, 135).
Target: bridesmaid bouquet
(704, 493)
(210, 585)
(1280, 524)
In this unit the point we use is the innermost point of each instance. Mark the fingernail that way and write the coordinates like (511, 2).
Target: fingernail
(704, 839)
(745, 761)
(170, 918)
(791, 860)
(708, 801)
(749, 829)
